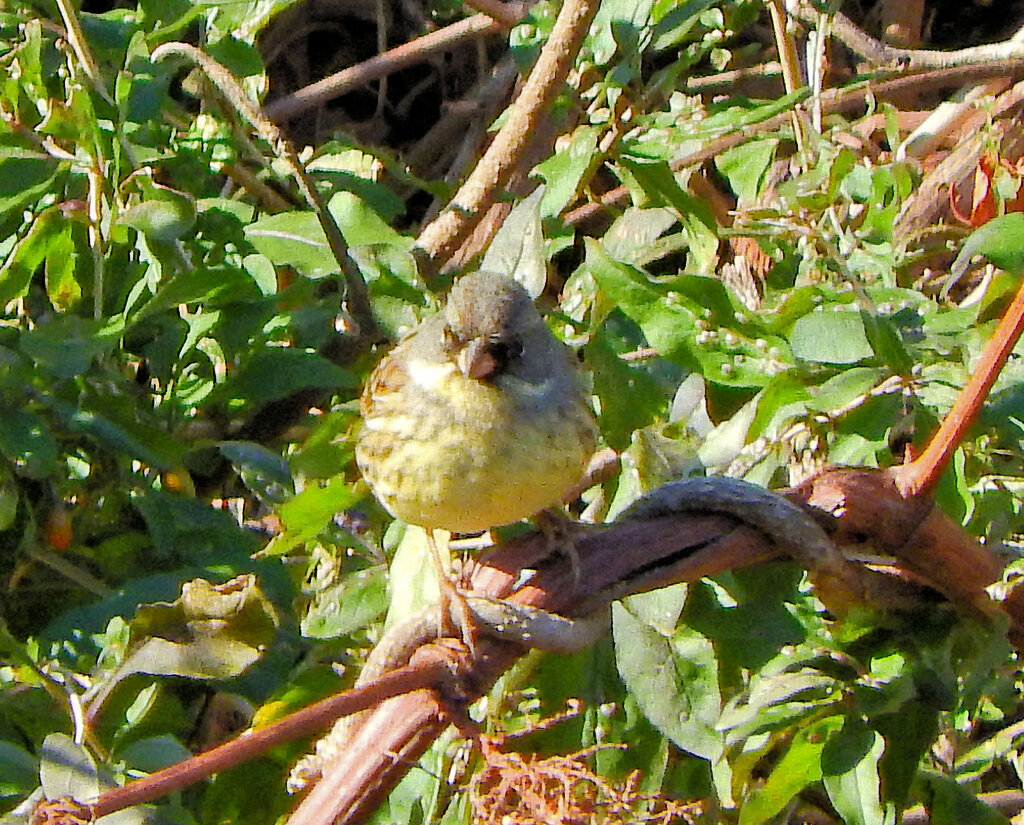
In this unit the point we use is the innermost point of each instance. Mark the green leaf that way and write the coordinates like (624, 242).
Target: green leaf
(667, 327)
(263, 471)
(831, 338)
(24, 177)
(277, 372)
(949, 803)
(1001, 240)
(362, 226)
(18, 771)
(28, 255)
(204, 284)
(164, 218)
(563, 171)
(209, 632)
(745, 166)
(122, 428)
(67, 769)
(294, 239)
(799, 767)
(518, 248)
(62, 287)
(66, 346)
(356, 602)
(621, 412)
(26, 441)
(674, 678)
(849, 766)
(886, 343)
(309, 512)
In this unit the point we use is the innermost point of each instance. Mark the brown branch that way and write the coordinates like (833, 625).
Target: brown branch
(880, 54)
(613, 560)
(429, 669)
(441, 238)
(384, 64)
(508, 14)
(922, 474)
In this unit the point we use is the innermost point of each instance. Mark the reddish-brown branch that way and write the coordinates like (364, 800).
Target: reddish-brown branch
(613, 560)
(426, 671)
(923, 474)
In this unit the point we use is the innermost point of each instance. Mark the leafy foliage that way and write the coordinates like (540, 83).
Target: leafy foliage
(175, 374)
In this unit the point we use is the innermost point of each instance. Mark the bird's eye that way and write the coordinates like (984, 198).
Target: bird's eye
(511, 349)
(504, 351)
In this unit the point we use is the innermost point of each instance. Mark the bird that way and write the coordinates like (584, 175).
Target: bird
(479, 417)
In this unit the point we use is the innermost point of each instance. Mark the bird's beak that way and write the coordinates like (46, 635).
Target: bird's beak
(476, 359)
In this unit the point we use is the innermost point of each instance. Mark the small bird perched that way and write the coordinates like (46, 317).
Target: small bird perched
(478, 418)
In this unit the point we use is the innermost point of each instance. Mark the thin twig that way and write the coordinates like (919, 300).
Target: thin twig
(880, 54)
(426, 672)
(356, 295)
(379, 67)
(835, 100)
(440, 239)
(790, 65)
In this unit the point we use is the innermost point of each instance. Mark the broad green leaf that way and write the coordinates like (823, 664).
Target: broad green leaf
(949, 803)
(844, 388)
(28, 255)
(674, 679)
(66, 346)
(799, 767)
(123, 429)
(19, 773)
(294, 239)
(622, 412)
(909, 733)
(630, 238)
(745, 166)
(66, 769)
(209, 632)
(166, 218)
(183, 528)
(692, 321)
(202, 284)
(263, 471)
(277, 372)
(831, 338)
(849, 767)
(563, 171)
(24, 176)
(886, 343)
(1001, 240)
(361, 225)
(356, 602)
(307, 513)
(27, 442)
(62, 287)
(518, 248)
